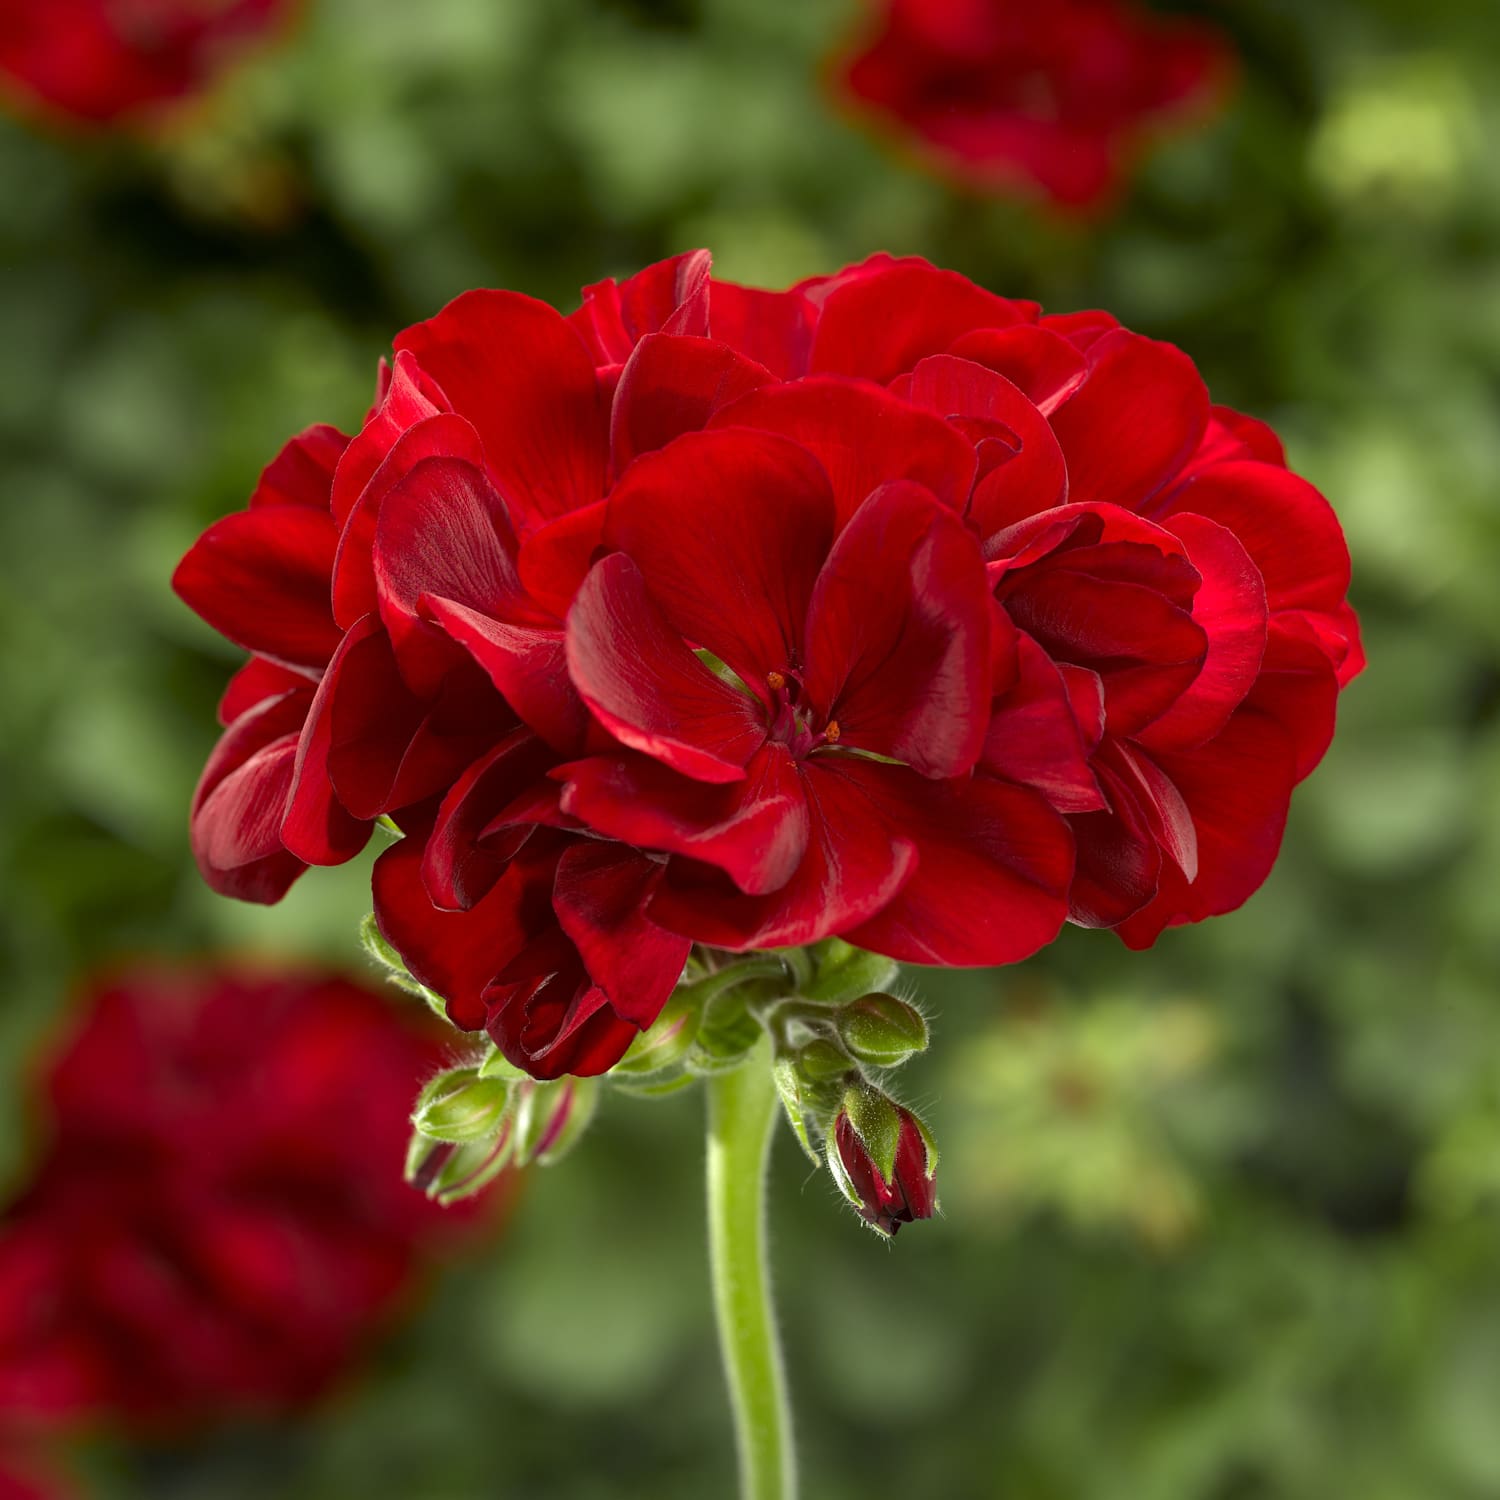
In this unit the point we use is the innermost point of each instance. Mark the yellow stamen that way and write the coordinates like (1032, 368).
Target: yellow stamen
(832, 733)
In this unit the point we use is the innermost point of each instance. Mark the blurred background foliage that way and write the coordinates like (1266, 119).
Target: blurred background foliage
(1221, 1218)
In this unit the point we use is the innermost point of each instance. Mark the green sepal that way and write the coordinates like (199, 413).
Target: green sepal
(379, 949)
(497, 1065)
(790, 1085)
(881, 1030)
(664, 1046)
(844, 972)
(727, 1033)
(877, 1123)
(460, 1106)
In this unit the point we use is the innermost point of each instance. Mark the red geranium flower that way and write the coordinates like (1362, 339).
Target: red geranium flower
(1057, 97)
(883, 607)
(99, 61)
(218, 1220)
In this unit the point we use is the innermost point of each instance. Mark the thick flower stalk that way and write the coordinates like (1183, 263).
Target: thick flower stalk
(1055, 100)
(713, 650)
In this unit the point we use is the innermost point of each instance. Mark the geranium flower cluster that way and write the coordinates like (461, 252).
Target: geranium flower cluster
(97, 62)
(884, 607)
(1057, 98)
(217, 1222)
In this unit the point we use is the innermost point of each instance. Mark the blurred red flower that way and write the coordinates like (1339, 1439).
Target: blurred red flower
(23, 1478)
(1057, 97)
(101, 61)
(218, 1220)
(882, 607)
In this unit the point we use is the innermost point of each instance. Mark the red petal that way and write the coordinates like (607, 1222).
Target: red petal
(600, 898)
(1081, 329)
(1146, 648)
(729, 529)
(457, 954)
(302, 473)
(317, 828)
(444, 532)
(556, 558)
(547, 1018)
(754, 830)
(262, 577)
(459, 864)
(1231, 607)
(898, 634)
(441, 436)
(1027, 473)
(1238, 788)
(774, 329)
(1285, 525)
(528, 665)
(671, 385)
(880, 324)
(523, 377)
(993, 865)
(1043, 365)
(408, 397)
(1232, 436)
(1134, 423)
(1034, 737)
(256, 681)
(854, 866)
(668, 297)
(241, 797)
(1298, 689)
(647, 688)
(863, 436)
(1119, 859)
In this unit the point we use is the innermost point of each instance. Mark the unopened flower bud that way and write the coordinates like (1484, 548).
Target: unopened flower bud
(551, 1118)
(447, 1171)
(461, 1106)
(881, 1030)
(884, 1160)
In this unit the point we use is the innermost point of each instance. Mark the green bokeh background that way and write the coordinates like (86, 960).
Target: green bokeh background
(1221, 1219)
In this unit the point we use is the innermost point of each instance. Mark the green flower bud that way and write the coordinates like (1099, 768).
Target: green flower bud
(881, 1030)
(884, 1160)
(460, 1106)
(551, 1118)
(448, 1171)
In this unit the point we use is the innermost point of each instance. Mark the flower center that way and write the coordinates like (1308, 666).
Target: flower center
(794, 723)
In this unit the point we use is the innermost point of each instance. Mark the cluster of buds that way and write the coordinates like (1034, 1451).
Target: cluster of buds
(472, 1122)
(835, 1030)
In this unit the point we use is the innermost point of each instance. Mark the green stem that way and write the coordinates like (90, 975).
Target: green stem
(742, 1110)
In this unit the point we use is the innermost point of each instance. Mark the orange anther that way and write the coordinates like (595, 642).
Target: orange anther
(775, 681)
(832, 733)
